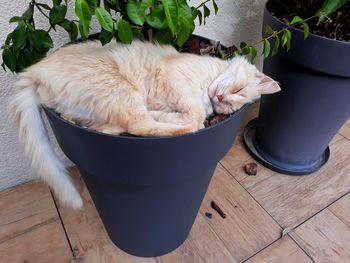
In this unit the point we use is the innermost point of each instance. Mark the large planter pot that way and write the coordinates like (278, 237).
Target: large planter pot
(147, 190)
(295, 126)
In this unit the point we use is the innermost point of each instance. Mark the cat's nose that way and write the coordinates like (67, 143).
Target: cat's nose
(220, 97)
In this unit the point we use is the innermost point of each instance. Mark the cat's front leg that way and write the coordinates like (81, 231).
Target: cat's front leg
(170, 117)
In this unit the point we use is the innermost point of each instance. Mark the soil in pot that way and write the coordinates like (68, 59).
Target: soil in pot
(336, 26)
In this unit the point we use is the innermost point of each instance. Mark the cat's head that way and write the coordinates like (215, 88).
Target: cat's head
(239, 84)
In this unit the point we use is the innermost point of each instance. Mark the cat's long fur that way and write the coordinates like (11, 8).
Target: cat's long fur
(142, 88)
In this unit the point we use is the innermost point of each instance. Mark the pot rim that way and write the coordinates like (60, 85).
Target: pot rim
(299, 31)
(206, 129)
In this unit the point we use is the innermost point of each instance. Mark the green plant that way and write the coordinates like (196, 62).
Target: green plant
(315, 12)
(167, 21)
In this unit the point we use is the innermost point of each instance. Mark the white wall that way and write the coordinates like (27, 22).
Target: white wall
(237, 20)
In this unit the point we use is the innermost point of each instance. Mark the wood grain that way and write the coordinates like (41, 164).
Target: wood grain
(325, 238)
(44, 244)
(25, 207)
(284, 250)
(87, 233)
(237, 157)
(293, 199)
(202, 246)
(341, 209)
(247, 227)
(345, 130)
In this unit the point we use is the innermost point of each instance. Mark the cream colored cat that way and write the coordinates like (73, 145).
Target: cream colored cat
(143, 88)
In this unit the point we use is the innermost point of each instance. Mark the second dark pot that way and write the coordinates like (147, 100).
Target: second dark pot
(295, 126)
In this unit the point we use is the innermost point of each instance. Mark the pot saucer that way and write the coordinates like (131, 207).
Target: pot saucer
(275, 165)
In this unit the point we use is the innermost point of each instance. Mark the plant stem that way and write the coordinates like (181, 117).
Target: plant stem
(202, 4)
(282, 30)
(105, 3)
(40, 10)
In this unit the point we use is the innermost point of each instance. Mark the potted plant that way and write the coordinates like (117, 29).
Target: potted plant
(146, 190)
(294, 127)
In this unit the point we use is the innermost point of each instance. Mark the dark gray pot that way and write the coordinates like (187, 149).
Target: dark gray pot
(147, 190)
(295, 126)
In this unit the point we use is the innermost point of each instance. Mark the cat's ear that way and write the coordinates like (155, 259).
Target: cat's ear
(266, 85)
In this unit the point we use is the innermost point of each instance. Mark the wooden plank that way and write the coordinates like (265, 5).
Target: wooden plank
(345, 130)
(265, 173)
(284, 250)
(25, 207)
(341, 209)
(87, 233)
(44, 244)
(235, 160)
(202, 245)
(247, 227)
(293, 199)
(324, 238)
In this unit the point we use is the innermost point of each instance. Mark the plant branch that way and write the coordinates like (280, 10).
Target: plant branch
(202, 4)
(283, 29)
(40, 10)
(105, 4)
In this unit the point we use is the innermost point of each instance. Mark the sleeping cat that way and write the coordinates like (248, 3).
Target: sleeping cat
(142, 88)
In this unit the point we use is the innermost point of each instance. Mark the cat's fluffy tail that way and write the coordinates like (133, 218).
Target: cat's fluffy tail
(24, 109)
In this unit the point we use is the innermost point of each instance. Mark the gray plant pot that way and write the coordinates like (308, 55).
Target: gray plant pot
(294, 127)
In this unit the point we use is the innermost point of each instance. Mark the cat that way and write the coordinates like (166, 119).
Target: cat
(145, 89)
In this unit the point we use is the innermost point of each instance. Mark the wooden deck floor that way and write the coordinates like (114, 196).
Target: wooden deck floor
(312, 212)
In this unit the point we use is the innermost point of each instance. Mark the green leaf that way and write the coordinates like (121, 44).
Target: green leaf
(71, 28)
(200, 17)
(29, 26)
(306, 30)
(267, 48)
(114, 3)
(216, 9)
(105, 37)
(171, 13)
(82, 11)
(137, 33)
(269, 30)
(252, 52)
(206, 12)
(145, 4)
(183, 36)
(124, 31)
(8, 39)
(164, 36)
(185, 16)
(19, 36)
(156, 18)
(45, 6)
(137, 11)
(328, 7)
(104, 18)
(28, 14)
(40, 40)
(133, 11)
(284, 38)
(296, 20)
(243, 44)
(289, 38)
(9, 59)
(56, 2)
(16, 19)
(276, 46)
(57, 14)
(93, 3)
